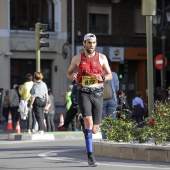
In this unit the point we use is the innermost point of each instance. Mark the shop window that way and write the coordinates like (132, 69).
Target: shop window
(21, 67)
(99, 19)
(140, 23)
(25, 13)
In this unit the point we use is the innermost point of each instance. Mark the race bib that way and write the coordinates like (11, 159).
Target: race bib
(89, 81)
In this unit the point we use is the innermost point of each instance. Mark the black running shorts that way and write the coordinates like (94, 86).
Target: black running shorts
(91, 104)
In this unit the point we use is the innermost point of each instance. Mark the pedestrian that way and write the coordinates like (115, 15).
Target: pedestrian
(90, 77)
(122, 103)
(68, 97)
(71, 113)
(138, 109)
(19, 115)
(72, 125)
(24, 91)
(39, 99)
(49, 112)
(110, 102)
(14, 104)
(68, 100)
(5, 105)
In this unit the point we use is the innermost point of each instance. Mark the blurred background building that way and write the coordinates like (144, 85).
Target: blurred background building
(118, 24)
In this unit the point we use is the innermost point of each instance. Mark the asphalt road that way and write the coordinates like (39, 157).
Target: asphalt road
(62, 155)
(59, 154)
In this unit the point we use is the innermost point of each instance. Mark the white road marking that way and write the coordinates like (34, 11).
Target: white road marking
(55, 153)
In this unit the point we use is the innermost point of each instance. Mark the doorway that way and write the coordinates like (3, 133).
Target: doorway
(133, 78)
(21, 67)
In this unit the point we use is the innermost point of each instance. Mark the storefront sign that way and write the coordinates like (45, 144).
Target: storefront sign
(135, 54)
(116, 54)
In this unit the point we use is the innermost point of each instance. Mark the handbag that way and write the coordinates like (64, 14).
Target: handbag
(23, 109)
(107, 91)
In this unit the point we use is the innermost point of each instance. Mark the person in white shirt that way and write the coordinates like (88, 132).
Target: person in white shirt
(138, 109)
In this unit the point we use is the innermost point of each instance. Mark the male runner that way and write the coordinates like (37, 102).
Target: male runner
(90, 77)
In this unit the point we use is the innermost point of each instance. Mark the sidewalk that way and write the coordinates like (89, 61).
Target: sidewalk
(57, 135)
(47, 136)
(67, 135)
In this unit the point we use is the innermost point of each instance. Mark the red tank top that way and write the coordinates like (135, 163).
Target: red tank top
(89, 67)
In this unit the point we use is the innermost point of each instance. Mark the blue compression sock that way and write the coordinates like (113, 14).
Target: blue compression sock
(88, 139)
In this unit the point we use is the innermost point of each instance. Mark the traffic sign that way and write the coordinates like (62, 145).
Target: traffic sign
(158, 62)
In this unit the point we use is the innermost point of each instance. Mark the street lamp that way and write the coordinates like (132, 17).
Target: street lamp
(161, 22)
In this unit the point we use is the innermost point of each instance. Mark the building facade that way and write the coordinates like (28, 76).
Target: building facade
(118, 24)
(17, 39)
(121, 35)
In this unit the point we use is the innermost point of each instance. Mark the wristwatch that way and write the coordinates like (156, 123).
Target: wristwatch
(103, 77)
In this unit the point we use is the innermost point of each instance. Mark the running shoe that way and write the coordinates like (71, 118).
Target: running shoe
(61, 128)
(33, 131)
(28, 131)
(91, 161)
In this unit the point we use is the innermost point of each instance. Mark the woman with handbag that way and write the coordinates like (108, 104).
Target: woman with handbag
(39, 99)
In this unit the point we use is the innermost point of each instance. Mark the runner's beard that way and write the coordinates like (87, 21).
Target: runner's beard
(89, 51)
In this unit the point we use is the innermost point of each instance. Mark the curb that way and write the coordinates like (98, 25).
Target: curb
(132, 151)
(30, 137)
(51, 136)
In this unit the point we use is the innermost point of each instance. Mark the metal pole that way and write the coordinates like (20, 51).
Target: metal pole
(163, 37)
(38, 60)
(149, 9)
(150, 64)
(37, 43)
(72, 28)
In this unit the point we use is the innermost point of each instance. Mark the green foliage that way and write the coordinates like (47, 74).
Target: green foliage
(141, 134)
(118, 129)
(159, 122)
(124, 129)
